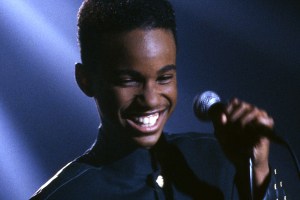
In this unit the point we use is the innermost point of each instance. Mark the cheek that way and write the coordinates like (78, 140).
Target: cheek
(112, 100)
(171, 93)
(123, 97)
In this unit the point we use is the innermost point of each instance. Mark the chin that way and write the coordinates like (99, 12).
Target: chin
(147, 141)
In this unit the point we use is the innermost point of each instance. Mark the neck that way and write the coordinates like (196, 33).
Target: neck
(113, 143)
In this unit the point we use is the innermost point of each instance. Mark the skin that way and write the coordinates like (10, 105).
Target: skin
(141, 66)
(138, 79)
(244, 124)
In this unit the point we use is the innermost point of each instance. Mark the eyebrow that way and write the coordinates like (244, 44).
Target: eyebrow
(137, 74)
(166, 69)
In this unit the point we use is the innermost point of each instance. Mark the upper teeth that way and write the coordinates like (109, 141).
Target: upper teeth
(147, 120)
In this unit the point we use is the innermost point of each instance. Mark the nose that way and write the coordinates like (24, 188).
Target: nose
(149, 96)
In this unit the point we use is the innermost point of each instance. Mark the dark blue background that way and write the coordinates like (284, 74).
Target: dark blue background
(245, 49)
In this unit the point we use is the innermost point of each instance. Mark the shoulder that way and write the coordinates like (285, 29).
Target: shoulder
(201, 153)
(197, 147)
(64, 176)
(190, 136)
(193, 139)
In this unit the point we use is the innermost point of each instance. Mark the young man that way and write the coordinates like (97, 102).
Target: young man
(128, 50)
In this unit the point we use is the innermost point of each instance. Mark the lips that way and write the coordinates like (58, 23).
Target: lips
(147, 123)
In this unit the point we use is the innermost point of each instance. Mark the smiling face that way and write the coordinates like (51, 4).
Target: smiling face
(137, 92)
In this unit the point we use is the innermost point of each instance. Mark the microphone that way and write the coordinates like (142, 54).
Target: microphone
(207, 105)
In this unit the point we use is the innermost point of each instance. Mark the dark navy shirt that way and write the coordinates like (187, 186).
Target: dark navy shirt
(181, 166)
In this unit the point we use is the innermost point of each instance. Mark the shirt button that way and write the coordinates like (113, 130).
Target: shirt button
(160, 181)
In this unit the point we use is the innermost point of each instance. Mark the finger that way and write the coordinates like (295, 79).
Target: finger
(250, 117)
(239, 110)
(265, 121)
(257, 117)
(223, 119)
(232, 104)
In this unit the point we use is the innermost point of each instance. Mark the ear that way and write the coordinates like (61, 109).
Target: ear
(84, 80)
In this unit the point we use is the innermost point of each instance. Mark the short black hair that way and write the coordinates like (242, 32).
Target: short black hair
(97, 18)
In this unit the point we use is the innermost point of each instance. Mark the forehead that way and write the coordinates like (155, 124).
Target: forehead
(148, 42)
(140, 47)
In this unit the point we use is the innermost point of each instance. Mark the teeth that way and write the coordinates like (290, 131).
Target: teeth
(147, 120)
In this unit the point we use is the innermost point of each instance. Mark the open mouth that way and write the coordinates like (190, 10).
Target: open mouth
(146, 123)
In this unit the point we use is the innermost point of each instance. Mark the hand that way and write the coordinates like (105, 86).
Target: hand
(240, 131)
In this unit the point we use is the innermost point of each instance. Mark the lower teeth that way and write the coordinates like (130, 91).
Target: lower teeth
(147, 125)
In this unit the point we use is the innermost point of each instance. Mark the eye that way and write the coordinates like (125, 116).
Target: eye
(165, 78)
(126, 81)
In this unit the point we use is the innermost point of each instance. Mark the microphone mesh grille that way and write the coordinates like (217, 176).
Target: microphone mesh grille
(203, 102)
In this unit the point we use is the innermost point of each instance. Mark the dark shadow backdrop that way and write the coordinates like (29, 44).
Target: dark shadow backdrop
(245, 49)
